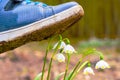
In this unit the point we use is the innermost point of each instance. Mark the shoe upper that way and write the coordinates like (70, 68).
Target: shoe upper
(24, 12)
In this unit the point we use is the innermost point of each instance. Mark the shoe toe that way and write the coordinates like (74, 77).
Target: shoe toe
(64, 6)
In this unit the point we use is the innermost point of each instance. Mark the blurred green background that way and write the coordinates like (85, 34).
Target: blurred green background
(101, 19)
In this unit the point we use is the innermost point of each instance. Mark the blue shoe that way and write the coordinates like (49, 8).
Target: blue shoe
(22, 21)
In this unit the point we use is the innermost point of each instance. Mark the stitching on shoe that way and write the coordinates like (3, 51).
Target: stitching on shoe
(52, 10)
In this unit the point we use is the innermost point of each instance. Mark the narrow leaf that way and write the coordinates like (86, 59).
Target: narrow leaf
(58, 76)
(38, 76)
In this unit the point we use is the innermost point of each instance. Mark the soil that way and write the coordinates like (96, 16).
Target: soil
(25, 63)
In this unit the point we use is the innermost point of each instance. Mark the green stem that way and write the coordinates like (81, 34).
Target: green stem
(74, 75)
(48, 77)
(67, 40)
(67, 66)
(75, 68)
(49, 70)
(100, 54)
(44, 64)
(60, 37)
(51, 60)
(45, 58)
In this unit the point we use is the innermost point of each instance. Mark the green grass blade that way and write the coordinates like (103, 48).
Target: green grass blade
(58, 76)
(38, 76)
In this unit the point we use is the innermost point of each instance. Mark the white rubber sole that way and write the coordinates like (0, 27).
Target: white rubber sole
(14, 33)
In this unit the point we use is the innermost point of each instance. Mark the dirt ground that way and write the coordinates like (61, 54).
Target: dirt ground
(24, 64)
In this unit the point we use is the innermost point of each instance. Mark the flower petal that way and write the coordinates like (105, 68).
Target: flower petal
(62, 45)
(69, 49)
(102, 65)
(88, 70)
(60, 57)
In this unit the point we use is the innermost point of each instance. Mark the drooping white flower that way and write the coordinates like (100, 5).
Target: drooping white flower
(60, 57)
(88, 70)
(62, 45)
(102, 65)
(69, 49)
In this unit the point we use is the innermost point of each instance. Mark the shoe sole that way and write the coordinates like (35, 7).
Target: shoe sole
(40, 30)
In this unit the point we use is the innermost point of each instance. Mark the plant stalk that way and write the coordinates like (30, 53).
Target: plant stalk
(67, 66)
(49, 70)
(74, 70)
(74, 75)
(48, 77)
(45, 58)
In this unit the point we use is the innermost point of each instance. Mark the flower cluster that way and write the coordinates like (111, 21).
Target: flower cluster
(68, 49)
(60, 49)
(64, 48)
(99, 65)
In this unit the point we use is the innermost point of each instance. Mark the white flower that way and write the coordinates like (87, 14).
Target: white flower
(102, 64)
(88, 70)
(60, 57)
(69, 49)
(62, 45)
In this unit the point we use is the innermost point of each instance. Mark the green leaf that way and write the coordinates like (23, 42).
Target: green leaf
(70, 74)
(58, 76)
(60, 37)
(80, 68)
(89, 51)
(38, 76)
